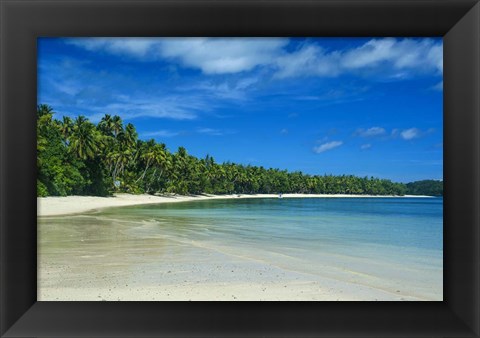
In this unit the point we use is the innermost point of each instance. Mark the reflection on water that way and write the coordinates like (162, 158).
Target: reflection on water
(386, 243)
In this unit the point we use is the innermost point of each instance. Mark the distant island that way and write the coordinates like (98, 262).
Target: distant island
(77, 157)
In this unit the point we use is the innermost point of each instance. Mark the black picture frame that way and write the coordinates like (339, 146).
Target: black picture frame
(22, 21)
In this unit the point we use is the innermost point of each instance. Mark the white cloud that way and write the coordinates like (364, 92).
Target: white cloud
(284, 131)
(210, 55)
(389, 57)
(401, 54)
(170, 107)
(231, 90)
(327, 146)
(410, 134)
(394, 57)
(169, 133)
(309, 60)
(370, 132)
(246, 82)
(210, 131)
(160, 133)
(365, 146)
(372, 52)
(222, 55)
(137, 47)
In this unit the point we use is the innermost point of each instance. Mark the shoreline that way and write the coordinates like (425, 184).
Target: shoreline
(70, 205)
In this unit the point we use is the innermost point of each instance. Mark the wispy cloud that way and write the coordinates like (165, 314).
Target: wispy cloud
(246, 82)
(370, 132)
(391, 57)
(311, 60)
(136, 47)
(170, 107)
(211, 131)
(394, 58)
(210, 55)
(78, 88)
(342, 93)
(404, 54)
(365, 146)
(232, 90)
(327, 146)
(410, 134)
(171, 133)
(160, 133)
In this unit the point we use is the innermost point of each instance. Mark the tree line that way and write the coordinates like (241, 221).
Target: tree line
(77, 157)
(425, 187)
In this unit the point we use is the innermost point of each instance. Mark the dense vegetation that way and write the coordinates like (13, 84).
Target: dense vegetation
(77, 157)
(425, 187)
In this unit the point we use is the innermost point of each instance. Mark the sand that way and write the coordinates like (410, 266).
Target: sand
(169, 271)
(56, 206)
(78, 268)
(253, 291)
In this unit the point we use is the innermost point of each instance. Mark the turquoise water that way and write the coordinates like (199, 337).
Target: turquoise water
(391, 241)
(303, 223)
(391, 244)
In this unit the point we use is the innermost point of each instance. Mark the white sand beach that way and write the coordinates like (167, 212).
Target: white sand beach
(56, 206)
(171, 271)
(82, 267)
(326, 290)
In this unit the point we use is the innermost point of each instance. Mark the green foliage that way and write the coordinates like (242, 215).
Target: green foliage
(78, 157)
(58, 171)
(41, 189)
(425, 187)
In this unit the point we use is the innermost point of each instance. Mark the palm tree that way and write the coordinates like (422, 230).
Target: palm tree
(181, 162)
(118, 161)
(147, 155)
(84, 140)
(43, 109)
(66, 128)
(117, 125)
(160, 161)
(106, 125)
(129, 137)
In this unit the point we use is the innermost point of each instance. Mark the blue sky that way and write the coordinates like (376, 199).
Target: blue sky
(362, 106)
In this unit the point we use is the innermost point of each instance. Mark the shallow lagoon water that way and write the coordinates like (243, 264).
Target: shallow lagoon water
(389, 244)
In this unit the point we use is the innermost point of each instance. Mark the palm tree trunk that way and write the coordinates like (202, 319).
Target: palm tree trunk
(151, 180)
(144, 172)
(115, 172)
